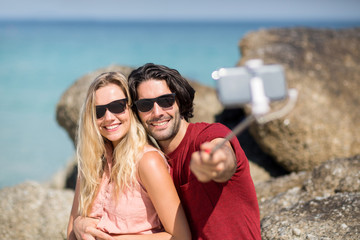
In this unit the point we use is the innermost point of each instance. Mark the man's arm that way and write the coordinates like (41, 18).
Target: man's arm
(219, 166)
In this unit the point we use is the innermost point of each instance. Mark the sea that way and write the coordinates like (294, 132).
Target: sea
(39, 60)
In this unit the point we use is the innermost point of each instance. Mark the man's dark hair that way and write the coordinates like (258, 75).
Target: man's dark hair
(176, 83)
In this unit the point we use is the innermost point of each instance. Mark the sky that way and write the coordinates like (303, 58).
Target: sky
(323, 10)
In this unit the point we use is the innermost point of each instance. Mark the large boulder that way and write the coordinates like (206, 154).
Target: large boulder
(31, 211)
(324, 66)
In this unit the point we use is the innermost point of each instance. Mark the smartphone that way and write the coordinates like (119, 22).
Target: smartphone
(233, 84)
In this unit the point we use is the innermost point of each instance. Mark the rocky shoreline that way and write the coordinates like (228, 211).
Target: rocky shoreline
(305, 166)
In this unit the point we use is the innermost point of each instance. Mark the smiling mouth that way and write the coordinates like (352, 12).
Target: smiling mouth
(160, 122)
(112, 127)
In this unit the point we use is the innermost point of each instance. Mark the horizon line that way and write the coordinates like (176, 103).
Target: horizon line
(174, 20)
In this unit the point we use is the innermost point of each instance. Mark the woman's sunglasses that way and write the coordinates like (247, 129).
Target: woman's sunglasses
(164, 101)
(117, 106)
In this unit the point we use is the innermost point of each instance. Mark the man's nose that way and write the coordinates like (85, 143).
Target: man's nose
(157, 110)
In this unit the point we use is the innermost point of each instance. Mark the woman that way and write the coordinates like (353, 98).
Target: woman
(124, 189)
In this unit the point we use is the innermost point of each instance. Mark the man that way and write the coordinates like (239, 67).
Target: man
(215, 188)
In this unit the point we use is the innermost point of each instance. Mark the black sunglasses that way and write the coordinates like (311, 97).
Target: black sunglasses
(164, 101)
(117, 106)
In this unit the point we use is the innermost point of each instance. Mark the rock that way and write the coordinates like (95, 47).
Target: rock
(295, 205)
(324, 66)
(66, 177)
(280, 192)
(339, 175)
(334, 217)
(318, 141)
(274, 186)
(258, 174)
(206, 103)
(32, 211)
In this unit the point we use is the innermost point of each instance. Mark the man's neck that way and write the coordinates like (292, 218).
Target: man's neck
(169, 146)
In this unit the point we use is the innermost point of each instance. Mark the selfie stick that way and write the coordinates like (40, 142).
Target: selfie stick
(259, 104)
(238, 129)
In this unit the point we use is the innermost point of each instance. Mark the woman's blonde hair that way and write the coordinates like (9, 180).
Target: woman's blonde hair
(91, 146)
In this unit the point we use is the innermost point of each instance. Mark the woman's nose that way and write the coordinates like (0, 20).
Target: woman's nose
(108, 114)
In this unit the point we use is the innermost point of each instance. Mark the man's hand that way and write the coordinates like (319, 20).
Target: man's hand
(218, 166)
(85, 229)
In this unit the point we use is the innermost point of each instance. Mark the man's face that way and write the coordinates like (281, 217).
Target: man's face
(161, 123)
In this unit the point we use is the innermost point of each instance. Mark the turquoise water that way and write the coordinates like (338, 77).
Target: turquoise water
(40, 60)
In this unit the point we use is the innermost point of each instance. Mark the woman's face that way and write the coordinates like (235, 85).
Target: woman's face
(113, 126)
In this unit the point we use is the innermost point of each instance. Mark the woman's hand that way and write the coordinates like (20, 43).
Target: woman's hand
(85, 229)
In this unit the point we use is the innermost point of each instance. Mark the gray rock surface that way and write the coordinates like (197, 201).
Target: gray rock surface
(324, 66)
(31, 211)
(273, 187)
(338, 175)
(335, 217)
(323, 204)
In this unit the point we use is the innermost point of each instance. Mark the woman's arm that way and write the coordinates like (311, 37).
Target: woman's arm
(155, 177)
(74, 213)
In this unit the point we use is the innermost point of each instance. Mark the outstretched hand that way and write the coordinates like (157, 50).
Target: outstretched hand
(85, 229)
(217, 166)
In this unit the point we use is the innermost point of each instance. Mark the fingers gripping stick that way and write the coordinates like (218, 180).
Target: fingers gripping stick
(207, 150)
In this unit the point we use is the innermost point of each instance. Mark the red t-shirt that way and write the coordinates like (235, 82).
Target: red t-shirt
(215, 210)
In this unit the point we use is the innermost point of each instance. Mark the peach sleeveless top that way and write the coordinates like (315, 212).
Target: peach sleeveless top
(133, 211)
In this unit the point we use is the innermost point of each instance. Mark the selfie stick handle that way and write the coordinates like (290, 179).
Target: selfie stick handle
(259, 101)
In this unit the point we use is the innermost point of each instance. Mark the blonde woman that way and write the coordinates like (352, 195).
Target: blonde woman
(124, 189)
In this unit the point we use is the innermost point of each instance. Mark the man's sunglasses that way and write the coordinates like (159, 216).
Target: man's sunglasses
(117, 106)
(164, 101)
